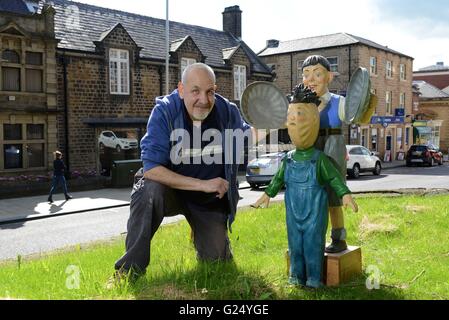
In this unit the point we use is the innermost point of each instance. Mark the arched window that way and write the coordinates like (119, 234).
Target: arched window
(10, 56)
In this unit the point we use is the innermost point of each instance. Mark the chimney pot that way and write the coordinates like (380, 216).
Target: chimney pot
(232, 21)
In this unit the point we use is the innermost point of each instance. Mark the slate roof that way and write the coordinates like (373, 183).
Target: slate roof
(429, 91)
(78, 32)
(15, 6)
(325, 41)
(436, 67)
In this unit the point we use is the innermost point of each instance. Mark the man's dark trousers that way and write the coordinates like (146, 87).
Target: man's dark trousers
(150, 203)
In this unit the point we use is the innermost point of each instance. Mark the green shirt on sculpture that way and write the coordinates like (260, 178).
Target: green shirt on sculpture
(326, 173)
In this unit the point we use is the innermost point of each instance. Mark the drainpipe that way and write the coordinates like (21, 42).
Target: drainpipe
(291, 72)
(161, 82)
(65, 62)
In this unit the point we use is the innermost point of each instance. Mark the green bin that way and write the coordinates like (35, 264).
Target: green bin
(123, 172)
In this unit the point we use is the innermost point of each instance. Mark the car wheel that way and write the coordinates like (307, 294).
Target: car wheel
(377, 169)
(408, 164)
(118, 149)
(355, 172)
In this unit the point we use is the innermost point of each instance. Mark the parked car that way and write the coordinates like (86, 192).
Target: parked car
(119, 141)
(360, 159)
(261, 170)
(423, 154)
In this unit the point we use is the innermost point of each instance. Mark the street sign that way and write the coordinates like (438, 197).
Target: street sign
(387, 120)
(399, 112)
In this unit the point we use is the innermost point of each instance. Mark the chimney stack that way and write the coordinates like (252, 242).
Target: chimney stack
(232, 21)
(272, 43)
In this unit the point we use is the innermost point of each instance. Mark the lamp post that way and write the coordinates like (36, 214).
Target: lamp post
(167, 49)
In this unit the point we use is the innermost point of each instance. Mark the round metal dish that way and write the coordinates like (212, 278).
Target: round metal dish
(358, 95)
(264, 106)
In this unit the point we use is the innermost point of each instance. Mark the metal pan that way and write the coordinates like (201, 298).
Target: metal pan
(264, 106)
(358, 96)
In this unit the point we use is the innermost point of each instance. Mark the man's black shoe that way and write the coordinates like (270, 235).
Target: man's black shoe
(336, 246)
(68, 197)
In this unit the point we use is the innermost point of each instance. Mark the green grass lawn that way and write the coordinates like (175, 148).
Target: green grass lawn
(404, 238)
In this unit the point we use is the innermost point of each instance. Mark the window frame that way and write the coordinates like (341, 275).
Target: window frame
(373, 66)
(389, 69)
(333, 64)
(402, 72)
(388, 102)
(25, 142)
(239, 74)
(188, 61)
(118, 60)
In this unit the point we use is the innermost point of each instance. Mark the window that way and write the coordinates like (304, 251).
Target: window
(119, 71)
(24, 146)
(34, 58)
(388, 102)
(11, 79)
(239, 81)
(407, 135)
(373, 65)
(374, 139)
(389, 71)
(33, 80)
(399, 145)
(402, 100)
(185, 62)
(10, 56)
(12, 132)
(13, 156)
(402, 72)
(333, 61)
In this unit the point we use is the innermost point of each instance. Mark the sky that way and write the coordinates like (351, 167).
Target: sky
(417, 28)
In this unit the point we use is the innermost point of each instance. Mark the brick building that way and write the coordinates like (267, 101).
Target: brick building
(436, 75)
(110, 66)
(28, 88)
(431, 116)
(391, 80)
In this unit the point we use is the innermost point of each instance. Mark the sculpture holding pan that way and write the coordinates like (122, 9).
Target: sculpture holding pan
(356, 108)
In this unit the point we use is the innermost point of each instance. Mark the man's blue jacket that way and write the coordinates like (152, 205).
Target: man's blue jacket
(167, 115)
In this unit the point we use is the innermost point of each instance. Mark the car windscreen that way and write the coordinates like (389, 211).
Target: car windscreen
(418, 148)
(122, 135)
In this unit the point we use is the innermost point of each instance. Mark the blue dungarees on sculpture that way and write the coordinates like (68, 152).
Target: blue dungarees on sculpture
(307, 220)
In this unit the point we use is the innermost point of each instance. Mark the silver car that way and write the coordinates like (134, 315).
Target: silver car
(360, 159)
(261, 170)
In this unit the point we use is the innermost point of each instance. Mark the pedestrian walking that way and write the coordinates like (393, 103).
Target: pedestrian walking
(58, 177)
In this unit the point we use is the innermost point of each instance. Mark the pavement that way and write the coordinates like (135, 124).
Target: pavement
(37, 207)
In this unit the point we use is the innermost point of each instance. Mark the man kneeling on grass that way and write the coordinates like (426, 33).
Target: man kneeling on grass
(206, 194)
(305, 172)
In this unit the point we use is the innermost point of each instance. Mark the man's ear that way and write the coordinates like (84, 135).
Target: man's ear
(181, 89)
(331, 76)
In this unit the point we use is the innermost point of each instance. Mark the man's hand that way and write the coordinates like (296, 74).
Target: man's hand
(217, 185)
(263, 202)
(349, 201)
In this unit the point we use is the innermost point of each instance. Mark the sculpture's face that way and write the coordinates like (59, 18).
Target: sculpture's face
(198, 93)
(303, 123)
(317, 78)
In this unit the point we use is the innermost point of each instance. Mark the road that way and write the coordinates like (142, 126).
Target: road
(34, 237)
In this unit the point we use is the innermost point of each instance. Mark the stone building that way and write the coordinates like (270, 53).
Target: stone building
(110, 67)
(28, 88)
(436, 75)
(431, 116)
(390, 130)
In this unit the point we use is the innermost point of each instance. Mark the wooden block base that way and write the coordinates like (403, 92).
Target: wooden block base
(342, 267)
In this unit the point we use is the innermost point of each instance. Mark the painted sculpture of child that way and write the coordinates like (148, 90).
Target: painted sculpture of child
(305, 172)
